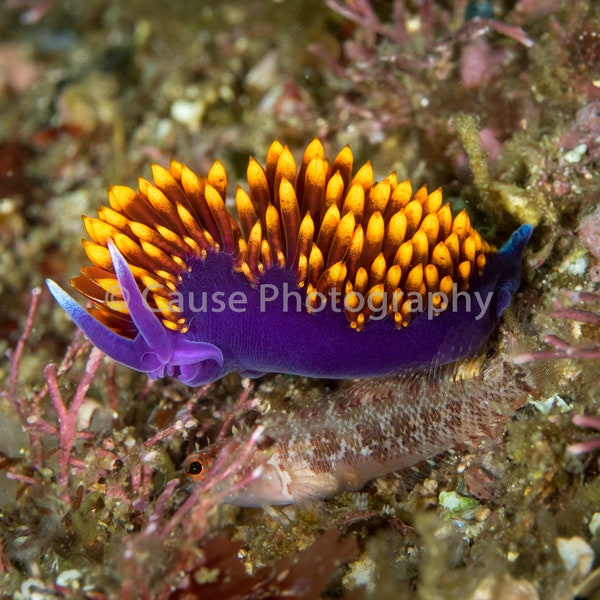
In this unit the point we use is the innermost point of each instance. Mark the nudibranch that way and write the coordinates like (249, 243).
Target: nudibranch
(326, 273)
(343, 442)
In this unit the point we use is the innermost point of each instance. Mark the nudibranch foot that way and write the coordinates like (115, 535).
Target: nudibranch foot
(325, 273)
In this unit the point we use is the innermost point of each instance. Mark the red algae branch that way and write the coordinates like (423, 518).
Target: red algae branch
(562, 348)
(585, 422)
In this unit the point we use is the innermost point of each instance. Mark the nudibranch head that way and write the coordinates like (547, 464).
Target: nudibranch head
(326, 273)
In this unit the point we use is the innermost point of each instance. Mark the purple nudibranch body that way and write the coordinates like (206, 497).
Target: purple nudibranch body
(181, 290)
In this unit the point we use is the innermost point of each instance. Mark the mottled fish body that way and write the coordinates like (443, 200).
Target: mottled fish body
(371, 429)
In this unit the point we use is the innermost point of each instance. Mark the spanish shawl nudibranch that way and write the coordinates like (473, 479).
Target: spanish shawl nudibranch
(327, 274)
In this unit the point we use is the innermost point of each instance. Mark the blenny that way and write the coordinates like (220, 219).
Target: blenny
(373, 428)
(326, 273)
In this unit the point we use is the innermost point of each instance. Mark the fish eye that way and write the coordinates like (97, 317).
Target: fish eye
(195, 468)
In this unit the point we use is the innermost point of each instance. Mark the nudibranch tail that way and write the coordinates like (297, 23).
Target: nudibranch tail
(374, 428)
(322, 269)
(506, 269)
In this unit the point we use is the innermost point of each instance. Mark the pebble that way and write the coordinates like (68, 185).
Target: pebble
(577, 556)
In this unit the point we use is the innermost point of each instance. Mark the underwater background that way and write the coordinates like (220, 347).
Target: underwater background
(497, 102)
